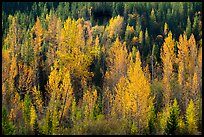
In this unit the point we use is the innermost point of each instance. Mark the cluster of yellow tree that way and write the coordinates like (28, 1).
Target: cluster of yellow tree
(64, 108)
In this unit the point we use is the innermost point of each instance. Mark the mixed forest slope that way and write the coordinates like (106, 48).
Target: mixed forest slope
(102, 68)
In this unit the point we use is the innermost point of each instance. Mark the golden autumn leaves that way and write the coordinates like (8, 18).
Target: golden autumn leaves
(126, 92)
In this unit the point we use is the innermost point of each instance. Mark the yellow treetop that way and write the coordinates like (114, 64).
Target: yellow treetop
(168, 59)
(116, 63)
(33, 116)
(115, 26)
(39, 36)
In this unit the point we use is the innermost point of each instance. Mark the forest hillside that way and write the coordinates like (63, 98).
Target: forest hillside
(101, 68)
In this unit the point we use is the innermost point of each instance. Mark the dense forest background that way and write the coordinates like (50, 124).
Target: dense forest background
(102, 68)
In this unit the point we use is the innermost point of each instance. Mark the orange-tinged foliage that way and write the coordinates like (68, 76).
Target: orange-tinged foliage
(66, 92)
(115, 26)
(116, 64)
(53, 38)
(38, 102)
(48, 68)
(133, 95)
(195, 88)
(192, 55)
(25, 77)
(139, 89)
(200, 67)
(39, 36)
(168, 59)
(188, 69)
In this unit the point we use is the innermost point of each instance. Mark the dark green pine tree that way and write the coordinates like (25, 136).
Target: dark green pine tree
(188, 28)
(36, 128)
(195, 28)
(172, 122)
(7, 127)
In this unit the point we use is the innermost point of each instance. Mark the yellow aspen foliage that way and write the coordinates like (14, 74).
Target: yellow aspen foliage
(25, 77)
(199, 62)
(129, 34)
(135, 40)
(122, 102)
(200, 58)
(116, 64)
(53, 82)
(139, 91)
(188, 69)
(60, 90)
(15, 107)
(9, 72)
(13, 67)
(183, 51)
(163, 117)
(181, 73)
(192, 54)
(181, 125)
(52, 37)
(33, 116)
(11, 39)
(195, 87)
(96, 49)
(183, 60)
(3, 92)
(133, 129)
(89, 101)
(191, 119)
(168, 58)
(108, 101)
(72, 53)
(37, 99)
(141, 37)
(6, 62)
(5, 65)
(13, 71)
(66, 93)
(12, 115)
(130, 29)
(165, 28)
(147, 73)
(39, 36)
(115, 26)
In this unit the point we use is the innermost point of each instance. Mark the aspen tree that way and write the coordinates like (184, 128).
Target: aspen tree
(66, 93)
(33, 116)
(116, 63)
(168, 57)
(115, 26)
(122, 100)
(38, 99)
(183, 58)
(191, 119)
(139, 90)
(38, 31)
(192, 55)
(165, 29)
(199, 62)
(89, 102)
